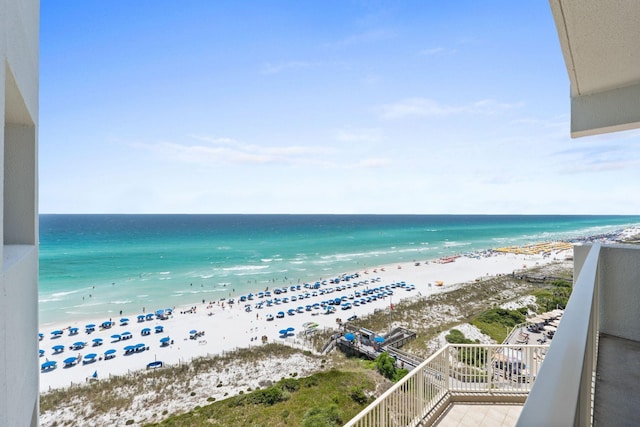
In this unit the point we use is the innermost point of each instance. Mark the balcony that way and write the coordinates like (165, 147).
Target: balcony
(590, 375)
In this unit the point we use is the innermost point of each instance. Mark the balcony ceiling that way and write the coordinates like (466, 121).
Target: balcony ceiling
(600, 41)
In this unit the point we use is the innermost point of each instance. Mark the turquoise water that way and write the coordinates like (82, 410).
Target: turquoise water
(96, 265)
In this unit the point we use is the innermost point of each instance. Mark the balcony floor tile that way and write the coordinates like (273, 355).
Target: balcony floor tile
(474, 415)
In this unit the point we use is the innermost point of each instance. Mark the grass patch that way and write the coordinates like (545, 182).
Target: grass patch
(323, 399)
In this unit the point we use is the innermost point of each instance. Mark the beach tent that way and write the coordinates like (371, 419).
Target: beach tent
(48, 365)
(159, 329)
(57, 349)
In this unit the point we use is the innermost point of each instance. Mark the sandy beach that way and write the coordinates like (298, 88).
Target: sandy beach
(223, 327)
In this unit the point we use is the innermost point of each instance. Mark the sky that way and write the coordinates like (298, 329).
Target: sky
(337, 107)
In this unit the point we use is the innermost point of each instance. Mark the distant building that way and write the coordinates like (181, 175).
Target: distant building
(19, 56)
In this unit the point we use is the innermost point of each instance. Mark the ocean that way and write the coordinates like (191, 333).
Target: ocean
(98, 265)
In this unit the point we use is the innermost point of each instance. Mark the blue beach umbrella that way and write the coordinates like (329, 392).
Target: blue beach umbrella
(41, 352)
(89, 358)
(56, 333)
(129, 349)
(70, 361)
(50, 364)
(97, 341)
(116, 337)
(141, 317)
(165, 339)
(159, 328)
(109, 354)
(40, 336)
(124, 321)
(58, 348)
(290, 329)
(349, 337)
(284, 332)
(193, 332)
(73, 331)
(126, 335)
(160, 313)
(78, 344)
(145, 331)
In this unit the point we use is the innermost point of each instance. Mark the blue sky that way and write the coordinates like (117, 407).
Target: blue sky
(316, 107)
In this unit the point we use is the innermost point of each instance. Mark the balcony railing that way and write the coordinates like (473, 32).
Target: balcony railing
(456, 373)
(563, 394)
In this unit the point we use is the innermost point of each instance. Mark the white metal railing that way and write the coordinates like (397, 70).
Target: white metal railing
(563, 391)
(466, 370)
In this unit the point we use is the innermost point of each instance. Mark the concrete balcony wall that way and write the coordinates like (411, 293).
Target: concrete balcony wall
(19, 373)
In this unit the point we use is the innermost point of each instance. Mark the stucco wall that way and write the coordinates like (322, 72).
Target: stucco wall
(19, 35)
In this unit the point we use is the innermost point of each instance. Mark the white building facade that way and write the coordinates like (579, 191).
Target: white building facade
(19, 70)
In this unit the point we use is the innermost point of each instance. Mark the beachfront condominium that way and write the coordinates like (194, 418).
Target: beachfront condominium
(19, 34)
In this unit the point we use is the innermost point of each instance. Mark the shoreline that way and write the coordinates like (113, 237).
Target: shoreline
(222, 328)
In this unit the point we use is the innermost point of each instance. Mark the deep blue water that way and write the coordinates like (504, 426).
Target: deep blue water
(100, 264)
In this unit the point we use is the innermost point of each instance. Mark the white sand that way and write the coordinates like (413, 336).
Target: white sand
(228, 328)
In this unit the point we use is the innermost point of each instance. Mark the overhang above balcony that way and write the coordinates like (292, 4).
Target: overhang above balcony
(600, 42)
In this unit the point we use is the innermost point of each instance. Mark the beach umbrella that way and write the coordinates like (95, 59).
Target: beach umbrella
(97, 341)
(349, 337)
(126, 335)
(129, 348)
(116, 337)
(49, 364)
(145, 331)
(58, 348)
(109, 353)
(168, 310)
(141, 317)
(165, 340)
(95, 374)
(379, 340)
(150, 316)
(124, 321)
(284, 332)
(160, 313)
(40, 336)
(90, 357)
(79, 344)
(41, 352)
(56, 332)
(159, 328)
(70, 360)
(193, 332)
(73, 331)
(290, 329)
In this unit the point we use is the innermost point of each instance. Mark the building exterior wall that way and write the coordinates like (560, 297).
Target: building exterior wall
(19, 50)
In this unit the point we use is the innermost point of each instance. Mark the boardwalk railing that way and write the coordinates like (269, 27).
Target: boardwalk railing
(460, 372)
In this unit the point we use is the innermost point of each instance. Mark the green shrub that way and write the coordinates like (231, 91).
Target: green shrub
(327, 416)
(358, 396)
(457, 337)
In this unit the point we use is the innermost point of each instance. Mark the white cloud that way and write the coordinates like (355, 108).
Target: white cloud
(359, 135)
(424, 107)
